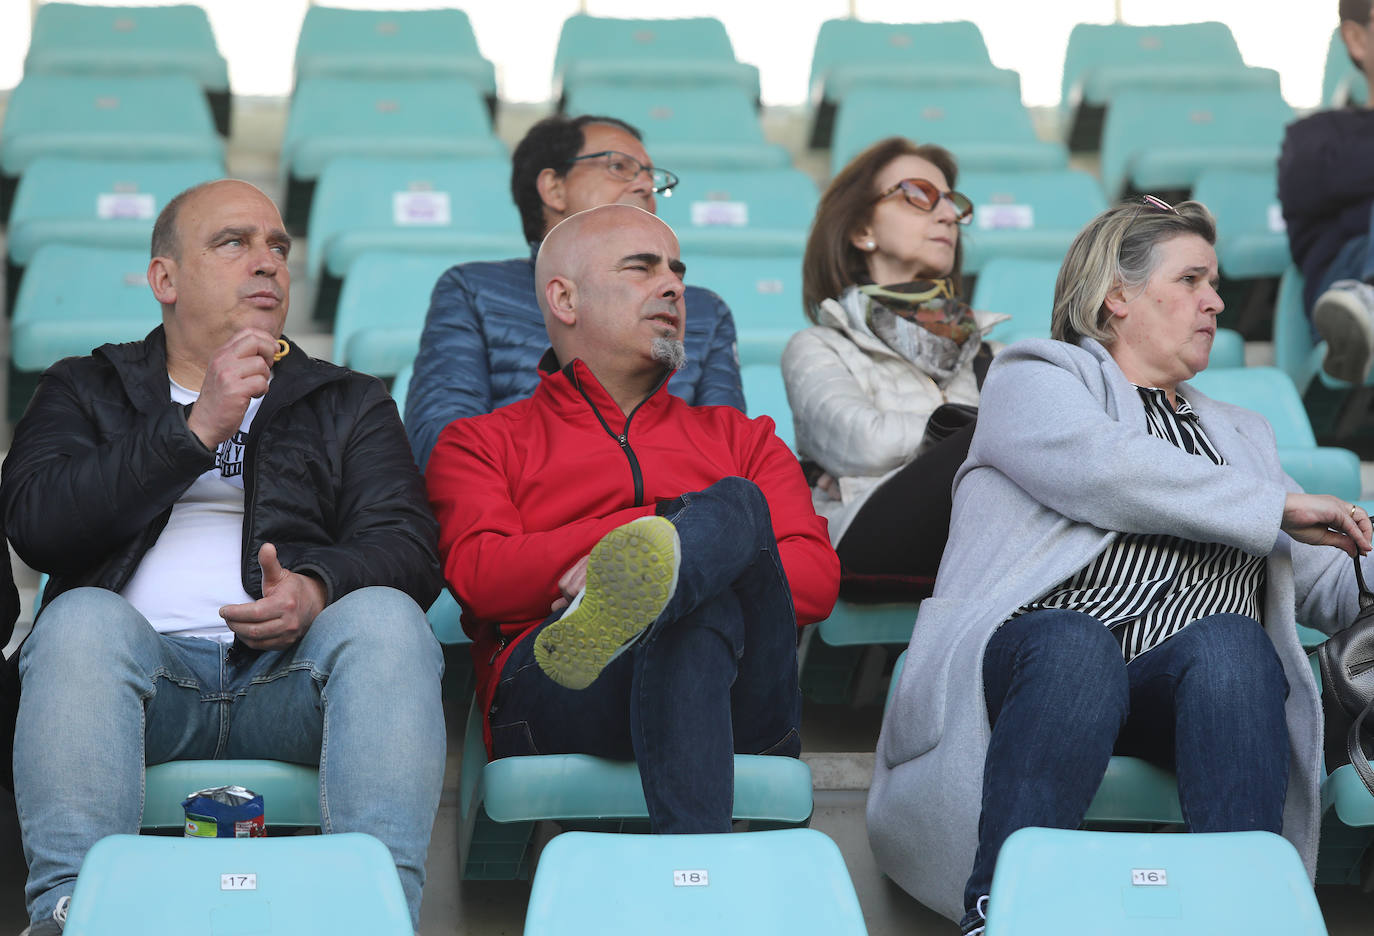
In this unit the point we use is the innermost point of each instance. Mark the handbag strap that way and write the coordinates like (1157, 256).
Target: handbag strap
(1366, 596)
(1355, 749)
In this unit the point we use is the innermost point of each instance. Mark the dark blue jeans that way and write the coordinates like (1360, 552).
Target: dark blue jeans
(715, 675)
(1208, 702)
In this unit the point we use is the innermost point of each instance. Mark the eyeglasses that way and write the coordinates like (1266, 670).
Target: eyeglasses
(627, 169)
(1154, 203)
(922, 194)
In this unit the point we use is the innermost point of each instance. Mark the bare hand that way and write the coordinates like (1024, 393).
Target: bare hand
(572, 582)
(1323, 520)
(289, 604)
(827, 483)
(237, 374)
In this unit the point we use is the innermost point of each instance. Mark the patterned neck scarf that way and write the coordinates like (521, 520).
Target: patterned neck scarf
(925, 323)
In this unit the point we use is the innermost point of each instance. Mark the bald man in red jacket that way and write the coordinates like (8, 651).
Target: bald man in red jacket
(633, 570)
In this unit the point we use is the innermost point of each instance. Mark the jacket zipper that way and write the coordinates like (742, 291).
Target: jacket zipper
(623, 437)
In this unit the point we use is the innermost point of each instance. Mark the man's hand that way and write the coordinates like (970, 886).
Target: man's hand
(1323, 520)
(237, 374)
(289, 605)
(572, 582)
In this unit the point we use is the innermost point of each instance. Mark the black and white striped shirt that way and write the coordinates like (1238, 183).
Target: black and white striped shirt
(1148, 587)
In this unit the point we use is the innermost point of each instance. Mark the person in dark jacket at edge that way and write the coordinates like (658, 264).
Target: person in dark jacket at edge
(1326, 187)
(239, 549)
(484, 333)
(691, 528)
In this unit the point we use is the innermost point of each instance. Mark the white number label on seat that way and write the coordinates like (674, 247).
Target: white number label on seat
(1149, 877)
(694, 878)
(238, 882)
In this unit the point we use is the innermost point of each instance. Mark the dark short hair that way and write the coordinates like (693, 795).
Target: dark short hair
(832, 263)
(551, 144)
(166, 240)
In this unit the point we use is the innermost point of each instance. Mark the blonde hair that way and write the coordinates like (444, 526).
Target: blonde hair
(1117, 248)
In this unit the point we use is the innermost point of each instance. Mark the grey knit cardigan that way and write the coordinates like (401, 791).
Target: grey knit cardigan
(1060, 464)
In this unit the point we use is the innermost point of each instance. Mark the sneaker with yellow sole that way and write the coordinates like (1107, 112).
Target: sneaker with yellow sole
(631, 575)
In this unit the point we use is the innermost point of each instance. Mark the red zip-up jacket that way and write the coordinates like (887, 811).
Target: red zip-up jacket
(524, 492)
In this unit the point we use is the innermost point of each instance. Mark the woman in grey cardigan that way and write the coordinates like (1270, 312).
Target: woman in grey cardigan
(892, 343)
(1124, 564)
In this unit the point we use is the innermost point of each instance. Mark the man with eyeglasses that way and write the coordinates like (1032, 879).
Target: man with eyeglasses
(1326, 187)
(484, 333)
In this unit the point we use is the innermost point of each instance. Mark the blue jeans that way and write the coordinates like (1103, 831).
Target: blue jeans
(714, 675)
(1355, 261)
(104, 694)
(1209, 702)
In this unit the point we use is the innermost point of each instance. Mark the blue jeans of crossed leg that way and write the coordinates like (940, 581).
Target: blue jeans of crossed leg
(714, 675)
(1209, 702)
(104, 694)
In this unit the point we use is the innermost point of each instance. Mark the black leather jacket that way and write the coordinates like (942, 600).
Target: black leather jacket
(102, 454)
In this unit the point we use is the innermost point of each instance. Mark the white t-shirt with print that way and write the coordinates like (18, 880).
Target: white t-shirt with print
(194, 568)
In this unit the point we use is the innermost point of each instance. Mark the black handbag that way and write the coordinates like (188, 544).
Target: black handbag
(1347, 667)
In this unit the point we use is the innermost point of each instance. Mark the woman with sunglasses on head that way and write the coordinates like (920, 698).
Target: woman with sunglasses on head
(892, 345)
(1124, 562)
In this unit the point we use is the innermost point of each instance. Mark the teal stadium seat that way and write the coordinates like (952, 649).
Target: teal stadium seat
(1024, 289)
(94, 203)
(1269, 392)
(790, 881)
(766, 395)
(1103, 60)
(1069, 883)
(432, 206)
(682, 53)
(76, 39)
(1162, 141)
(1034, 215)
(688, 127)
(403, 44)
(383, 304)
(290, 792)
(435, 118)
(851, 53)
(1343, 85)
(502, 800)
(764, 295)
(740, 211)
(986, 128)
(1252, 239)
(337, 884)
(74, 299)
(1134, 794)
(99, 117)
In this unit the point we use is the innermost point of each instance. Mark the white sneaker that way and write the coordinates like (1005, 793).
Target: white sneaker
(53, 925)
(1344, 316)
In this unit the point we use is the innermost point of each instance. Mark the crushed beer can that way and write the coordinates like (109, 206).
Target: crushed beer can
(224, 812)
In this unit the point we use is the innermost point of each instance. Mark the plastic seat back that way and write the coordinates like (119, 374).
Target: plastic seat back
(765, 394)
(1132, 884)
(101, 117)
(343, 43)
(1021, 288)
(1034, 215)
(764, 296)
(667, 53)
(1164, 140)
(97, 203)
(785, 881)
(740, 211)
(987, 128)
(1269, 392)
(345, 884)
(697, 127)
(1096, 46)
(419, 118)
(76, 39)
(1252, 239)
(433, 205)
(926, 47)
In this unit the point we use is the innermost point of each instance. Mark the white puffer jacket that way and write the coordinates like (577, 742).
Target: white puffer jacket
(860, 409)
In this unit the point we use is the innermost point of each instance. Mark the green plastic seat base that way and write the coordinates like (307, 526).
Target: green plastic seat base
(290, 792)
(502, 800)
(1135, 792)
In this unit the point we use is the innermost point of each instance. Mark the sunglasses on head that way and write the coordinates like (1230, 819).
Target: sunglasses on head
(922, 194)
